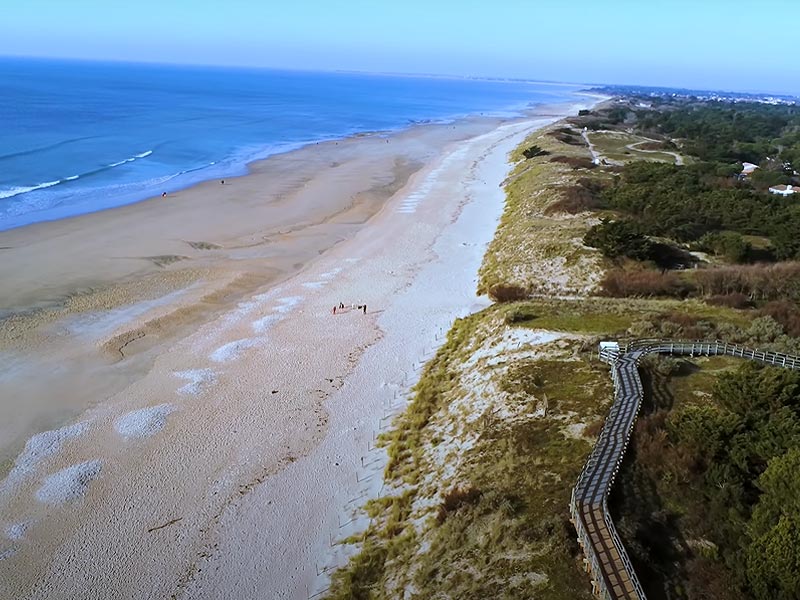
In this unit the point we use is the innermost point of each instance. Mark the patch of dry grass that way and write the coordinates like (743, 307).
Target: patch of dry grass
(534, 249)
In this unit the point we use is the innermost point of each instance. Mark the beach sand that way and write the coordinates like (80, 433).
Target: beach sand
(183, 415)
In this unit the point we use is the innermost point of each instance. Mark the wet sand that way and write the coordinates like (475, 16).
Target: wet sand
(202, 414)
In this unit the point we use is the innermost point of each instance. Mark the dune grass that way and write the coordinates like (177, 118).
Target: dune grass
(483, 460)
(492, 520)
(535, 251)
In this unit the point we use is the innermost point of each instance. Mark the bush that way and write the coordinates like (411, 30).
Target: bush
(519, 315)
(728, 244)
(575, 199)
(567, 136)
(534, 151)
(505, 292)
(619, 238)
(618, 283)
(758, 282)
(594, 428)
(576, 162)
(594, 184)
(735, 300)
(456, 499)
(683, 325)
(786, 313)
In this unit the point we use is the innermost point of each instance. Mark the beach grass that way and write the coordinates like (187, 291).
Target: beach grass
(483, 482)
(483, 460)
(537, 252)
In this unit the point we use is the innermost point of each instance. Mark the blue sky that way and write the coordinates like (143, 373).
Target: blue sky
(694, 43)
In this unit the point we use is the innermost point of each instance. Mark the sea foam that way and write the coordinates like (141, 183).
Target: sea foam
(232, 350)
(17, 190)
(143, 422)
(69, 484)
(16, 531)
(197, 378)
(43, 445)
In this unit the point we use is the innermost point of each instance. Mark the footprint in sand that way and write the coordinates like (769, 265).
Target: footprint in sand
(6, 554)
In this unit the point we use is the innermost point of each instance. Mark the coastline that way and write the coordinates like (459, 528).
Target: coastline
(176, 167)
(78, 290)
(262, 364)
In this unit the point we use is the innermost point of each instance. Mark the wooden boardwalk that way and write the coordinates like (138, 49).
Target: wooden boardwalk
(613, 576)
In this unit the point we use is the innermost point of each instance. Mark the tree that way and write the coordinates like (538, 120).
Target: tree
(780, 487)
(728, 244)
(619, 238)
(773, 561)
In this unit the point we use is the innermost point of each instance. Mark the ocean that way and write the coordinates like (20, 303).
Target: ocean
(78, 137)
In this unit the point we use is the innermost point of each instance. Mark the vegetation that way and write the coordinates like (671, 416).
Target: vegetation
(480, 489)
(533, 250)
(534, 151)
(619, 238)
(727, 133)
(622, 147)
(689, 202)
(713, 509)
(704, 501)
(482, 462)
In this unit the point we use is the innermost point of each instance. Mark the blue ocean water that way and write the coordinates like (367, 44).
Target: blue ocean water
(77, 137)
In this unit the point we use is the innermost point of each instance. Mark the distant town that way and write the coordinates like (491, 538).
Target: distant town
(703, 95)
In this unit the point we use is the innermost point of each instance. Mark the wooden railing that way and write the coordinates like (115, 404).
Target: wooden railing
(612, 572)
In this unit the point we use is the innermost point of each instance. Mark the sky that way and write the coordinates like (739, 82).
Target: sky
(700, 44)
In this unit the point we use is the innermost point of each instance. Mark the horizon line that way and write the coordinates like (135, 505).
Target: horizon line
(495, 78)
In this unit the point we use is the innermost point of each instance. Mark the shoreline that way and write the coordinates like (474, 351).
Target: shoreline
(256, 167)
(122, 260)
(253, 168)
(255, 362)
(117, 262)
(246, 166)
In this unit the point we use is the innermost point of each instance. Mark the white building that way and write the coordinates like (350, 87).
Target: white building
(748, 168)
(784, 190)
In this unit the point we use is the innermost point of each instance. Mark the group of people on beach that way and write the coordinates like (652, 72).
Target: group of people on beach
(341, 308)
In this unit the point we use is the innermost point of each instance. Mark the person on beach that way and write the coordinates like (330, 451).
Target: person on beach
(334, 310)
(365, 309)
(341, 304)
(163, 194)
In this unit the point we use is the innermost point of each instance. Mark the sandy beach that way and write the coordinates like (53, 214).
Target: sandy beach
(184, 415)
